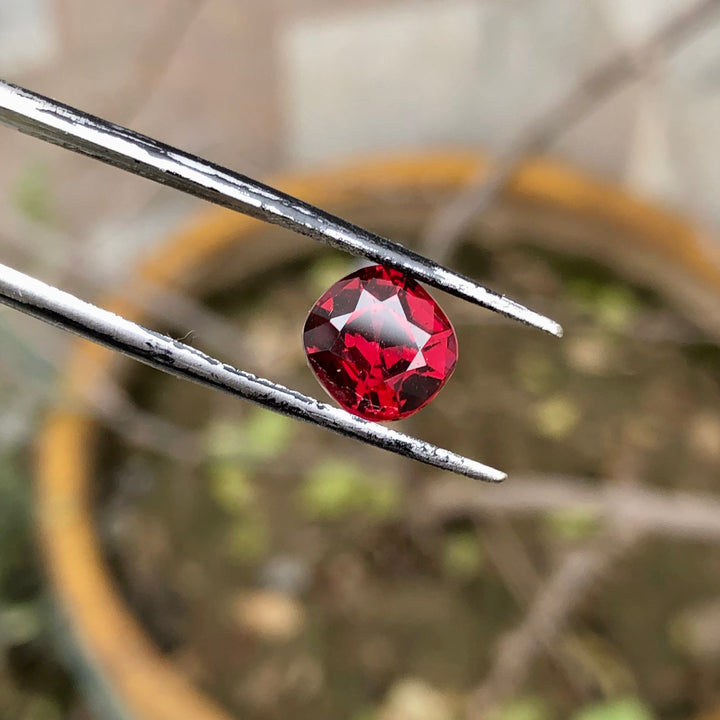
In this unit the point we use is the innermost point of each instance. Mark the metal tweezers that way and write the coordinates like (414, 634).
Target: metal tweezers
(82, 133)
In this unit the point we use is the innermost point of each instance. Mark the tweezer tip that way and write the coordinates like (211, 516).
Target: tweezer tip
(487, 474)
(542, 322)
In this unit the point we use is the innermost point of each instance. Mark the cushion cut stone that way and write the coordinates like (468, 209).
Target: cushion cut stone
(379, 344)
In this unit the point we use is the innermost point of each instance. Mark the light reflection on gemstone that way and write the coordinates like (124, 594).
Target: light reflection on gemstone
(379, 344)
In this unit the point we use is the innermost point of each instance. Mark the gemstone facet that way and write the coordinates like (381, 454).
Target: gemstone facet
(379, 344)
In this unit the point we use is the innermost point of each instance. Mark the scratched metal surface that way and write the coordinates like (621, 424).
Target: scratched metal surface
(47, 303)
(112, 144)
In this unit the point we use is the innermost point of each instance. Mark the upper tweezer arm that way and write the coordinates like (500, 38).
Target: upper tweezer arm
(72, 129)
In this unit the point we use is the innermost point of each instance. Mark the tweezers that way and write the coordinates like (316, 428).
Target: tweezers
(75, 130)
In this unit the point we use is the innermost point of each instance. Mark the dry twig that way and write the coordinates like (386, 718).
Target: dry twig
(681, 514)
(519, 574)
(548, 614)
(629, 513)
(601, 83)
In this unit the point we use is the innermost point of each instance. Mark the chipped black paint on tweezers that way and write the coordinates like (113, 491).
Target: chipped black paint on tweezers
(59, 308)
(59, 124)
(75, 130)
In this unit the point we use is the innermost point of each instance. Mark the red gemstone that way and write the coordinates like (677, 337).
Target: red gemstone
(379, 344)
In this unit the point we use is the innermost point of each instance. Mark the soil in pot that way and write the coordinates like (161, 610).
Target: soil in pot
(290, 572)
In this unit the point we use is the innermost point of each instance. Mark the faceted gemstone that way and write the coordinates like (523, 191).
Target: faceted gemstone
(379, 344)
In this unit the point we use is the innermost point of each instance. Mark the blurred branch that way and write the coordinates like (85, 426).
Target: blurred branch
(513, 563)
(650, 326)
(629, 512)
(163, 40)
(681, 514)
(450, 221)
(511, 560)
(566, 587)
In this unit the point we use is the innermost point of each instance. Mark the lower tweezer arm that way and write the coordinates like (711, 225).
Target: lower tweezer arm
(59, 308)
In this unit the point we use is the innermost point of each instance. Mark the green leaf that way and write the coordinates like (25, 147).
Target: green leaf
(522, 708)
(20, 623)
(263, 436)
(327, 271)
(336, 488)
(224, 440)
(365, 713)
(31, 193)
(15, 534)
(41, 707)
(463, 555)
(557, 417)
(535, 371)
(230, 487)
(572, 524)
(247, 540)
(616, 307)
(381, 498)
(331, 490)
(267, 434)
(623, 709)
(613, 306)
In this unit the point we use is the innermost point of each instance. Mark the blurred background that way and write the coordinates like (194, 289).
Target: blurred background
(169, 554)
